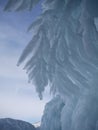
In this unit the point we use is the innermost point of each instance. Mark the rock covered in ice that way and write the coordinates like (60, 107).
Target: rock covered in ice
(11, 124)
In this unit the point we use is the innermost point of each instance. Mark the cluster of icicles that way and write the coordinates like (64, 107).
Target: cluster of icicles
(63, 54)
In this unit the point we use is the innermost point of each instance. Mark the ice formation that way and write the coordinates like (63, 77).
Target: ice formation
(63, 54)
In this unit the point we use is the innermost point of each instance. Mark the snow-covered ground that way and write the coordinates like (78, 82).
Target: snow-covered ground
(37, 124)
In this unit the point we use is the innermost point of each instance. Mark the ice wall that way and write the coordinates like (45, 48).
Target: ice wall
(54, 107)
(63, 54)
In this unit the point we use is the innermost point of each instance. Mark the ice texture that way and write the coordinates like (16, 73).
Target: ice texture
(63, 55)
(18, 5)
(54, 107)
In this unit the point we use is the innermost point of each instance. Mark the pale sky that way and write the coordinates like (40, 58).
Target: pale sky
(18, 99)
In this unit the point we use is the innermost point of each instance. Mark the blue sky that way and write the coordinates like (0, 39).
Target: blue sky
(18, 99)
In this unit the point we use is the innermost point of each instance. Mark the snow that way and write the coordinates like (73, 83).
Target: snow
(37, 124)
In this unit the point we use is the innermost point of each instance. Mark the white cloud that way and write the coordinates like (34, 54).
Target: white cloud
(21, 107)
